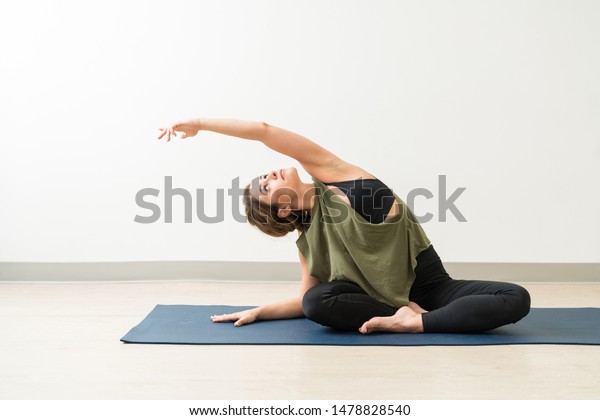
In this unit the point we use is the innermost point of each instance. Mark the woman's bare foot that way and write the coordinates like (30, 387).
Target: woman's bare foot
(415, 307)
(404, 320)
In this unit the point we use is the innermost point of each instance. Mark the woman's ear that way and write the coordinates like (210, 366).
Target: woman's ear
(284, 211)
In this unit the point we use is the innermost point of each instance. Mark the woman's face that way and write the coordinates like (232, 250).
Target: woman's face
(277, 187)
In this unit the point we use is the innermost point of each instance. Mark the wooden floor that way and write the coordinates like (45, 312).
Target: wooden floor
(61, 341)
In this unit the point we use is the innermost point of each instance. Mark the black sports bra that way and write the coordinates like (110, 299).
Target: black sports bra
(370, 198)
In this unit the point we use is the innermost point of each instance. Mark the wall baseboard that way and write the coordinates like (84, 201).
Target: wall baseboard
(274, 271)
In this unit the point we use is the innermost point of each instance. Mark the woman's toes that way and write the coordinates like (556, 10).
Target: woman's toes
(370, 325)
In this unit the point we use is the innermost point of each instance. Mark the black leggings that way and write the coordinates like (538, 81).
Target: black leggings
(457, 306)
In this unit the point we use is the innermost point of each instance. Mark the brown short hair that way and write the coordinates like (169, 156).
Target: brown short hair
(264, 217)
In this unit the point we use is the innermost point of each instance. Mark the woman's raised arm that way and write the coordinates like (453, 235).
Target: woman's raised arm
(313, 157)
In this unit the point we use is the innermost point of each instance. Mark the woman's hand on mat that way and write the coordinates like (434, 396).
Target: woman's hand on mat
(189, 128)
(239, 318)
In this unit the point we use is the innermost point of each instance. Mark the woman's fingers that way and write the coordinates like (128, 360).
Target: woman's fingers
(172, 131)
(238, 318)
(168, 131)
(225, 317)
(164, 131)
(239, 322)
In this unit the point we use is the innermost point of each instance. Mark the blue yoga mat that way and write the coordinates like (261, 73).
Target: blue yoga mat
(190, 324)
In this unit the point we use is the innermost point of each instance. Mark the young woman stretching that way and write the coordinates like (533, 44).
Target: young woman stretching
(367, 264)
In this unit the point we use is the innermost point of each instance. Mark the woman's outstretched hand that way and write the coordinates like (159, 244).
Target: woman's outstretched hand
(189, 128)
(239, 318)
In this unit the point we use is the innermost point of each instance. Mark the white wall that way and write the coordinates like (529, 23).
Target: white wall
(502, 97)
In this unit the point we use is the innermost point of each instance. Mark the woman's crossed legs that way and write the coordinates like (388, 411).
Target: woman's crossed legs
(448, 305)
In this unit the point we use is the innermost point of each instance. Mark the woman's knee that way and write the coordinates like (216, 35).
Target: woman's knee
(521, 302)
(314, 303)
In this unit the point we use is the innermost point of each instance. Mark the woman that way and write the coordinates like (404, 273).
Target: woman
(367, 264)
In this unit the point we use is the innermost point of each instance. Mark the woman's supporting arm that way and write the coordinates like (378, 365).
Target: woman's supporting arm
(291, 308)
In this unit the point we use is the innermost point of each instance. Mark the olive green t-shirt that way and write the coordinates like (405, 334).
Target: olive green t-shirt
(340, 244)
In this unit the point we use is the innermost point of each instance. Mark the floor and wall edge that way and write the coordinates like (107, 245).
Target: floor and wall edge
(559, 273)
